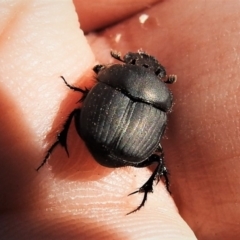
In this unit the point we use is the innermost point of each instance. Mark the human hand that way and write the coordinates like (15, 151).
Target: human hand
(76, 197)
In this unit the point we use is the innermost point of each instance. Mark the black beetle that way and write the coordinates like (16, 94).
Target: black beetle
(124, 116)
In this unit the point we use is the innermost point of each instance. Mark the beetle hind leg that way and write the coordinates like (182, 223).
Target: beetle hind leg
(160, 171)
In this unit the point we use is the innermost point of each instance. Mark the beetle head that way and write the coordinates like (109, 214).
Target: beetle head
(145, 60)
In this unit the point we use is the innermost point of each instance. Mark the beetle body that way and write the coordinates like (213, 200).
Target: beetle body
(124, 116)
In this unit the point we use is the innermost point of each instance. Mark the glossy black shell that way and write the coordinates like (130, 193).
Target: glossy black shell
(124, 115)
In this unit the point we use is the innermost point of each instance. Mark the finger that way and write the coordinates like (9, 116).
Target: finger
(97, 15)
(202, 52)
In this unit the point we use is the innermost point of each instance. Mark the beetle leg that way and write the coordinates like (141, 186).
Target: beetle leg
(98, 68)
(117, 55)
(84, 92)
(160, 171)
(163, 171)
(61, 139)
(170, 79)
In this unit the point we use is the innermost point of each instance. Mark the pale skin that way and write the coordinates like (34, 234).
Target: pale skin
(75, 197)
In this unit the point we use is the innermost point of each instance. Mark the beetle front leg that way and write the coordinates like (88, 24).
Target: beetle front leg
(117, 56)
(61, 139)
(98, 68)
(160, 171)
(84, 92)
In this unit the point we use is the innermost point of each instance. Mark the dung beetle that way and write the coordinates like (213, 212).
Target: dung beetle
(123, 117)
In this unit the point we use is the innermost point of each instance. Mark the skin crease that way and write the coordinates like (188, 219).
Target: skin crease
(72, 198)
